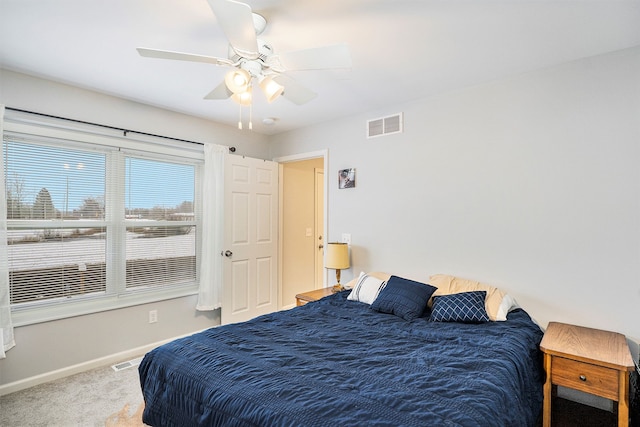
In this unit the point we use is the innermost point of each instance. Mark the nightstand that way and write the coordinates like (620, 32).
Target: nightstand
(589, 360)
(305, 297)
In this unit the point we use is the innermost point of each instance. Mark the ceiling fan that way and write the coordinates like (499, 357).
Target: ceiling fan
(253, 59)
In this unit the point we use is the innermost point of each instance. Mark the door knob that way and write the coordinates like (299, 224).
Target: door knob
(320, 246)
(228, 253)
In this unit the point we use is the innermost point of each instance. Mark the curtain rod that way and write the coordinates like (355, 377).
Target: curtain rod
(124, 131)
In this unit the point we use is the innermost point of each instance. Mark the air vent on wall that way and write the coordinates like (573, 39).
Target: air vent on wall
(127, 364)
(384, 126)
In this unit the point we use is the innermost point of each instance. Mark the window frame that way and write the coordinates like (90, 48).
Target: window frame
(116, 148)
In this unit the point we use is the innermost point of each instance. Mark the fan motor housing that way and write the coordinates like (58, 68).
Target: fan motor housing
(264, 51)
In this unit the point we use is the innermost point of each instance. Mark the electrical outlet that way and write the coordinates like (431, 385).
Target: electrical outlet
(153, 316)
(346, 238)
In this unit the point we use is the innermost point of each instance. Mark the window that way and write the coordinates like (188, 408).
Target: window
(101, 226)
(161, 229)
(56, 222)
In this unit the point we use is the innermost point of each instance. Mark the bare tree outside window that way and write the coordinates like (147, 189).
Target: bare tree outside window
(16, 207)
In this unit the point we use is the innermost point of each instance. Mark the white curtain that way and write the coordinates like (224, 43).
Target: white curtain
(212, 228)
(6, 327)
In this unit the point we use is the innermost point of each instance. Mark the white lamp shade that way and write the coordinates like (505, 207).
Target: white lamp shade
(337, 256)
(271, 88)
(243, 98)
(237, 80)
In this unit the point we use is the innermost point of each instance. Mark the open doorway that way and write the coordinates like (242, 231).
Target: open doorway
(302, 225)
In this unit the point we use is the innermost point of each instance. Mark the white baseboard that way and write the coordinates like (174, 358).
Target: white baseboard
(81, 367)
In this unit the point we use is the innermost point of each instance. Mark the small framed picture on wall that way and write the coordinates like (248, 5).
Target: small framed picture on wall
(347, 178)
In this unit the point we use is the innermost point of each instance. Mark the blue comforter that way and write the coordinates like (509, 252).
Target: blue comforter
(336, 362)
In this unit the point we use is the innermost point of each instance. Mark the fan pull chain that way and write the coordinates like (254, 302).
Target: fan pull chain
(240, 117)
(251, 116)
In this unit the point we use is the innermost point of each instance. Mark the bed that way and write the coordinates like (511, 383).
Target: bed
(343, 361)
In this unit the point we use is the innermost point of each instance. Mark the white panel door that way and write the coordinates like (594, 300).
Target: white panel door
(250, 239)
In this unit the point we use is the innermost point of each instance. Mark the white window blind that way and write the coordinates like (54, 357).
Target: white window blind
(161, 228)
(48, 183)
(91, 221)
(56, 222)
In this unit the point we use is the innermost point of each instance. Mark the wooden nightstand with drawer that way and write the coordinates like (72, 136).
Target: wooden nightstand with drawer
(305, 297)
(589, 360)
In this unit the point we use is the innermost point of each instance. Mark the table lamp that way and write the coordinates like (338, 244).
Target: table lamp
(337, 257)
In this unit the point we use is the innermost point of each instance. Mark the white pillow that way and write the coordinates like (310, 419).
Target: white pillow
(508, 304)
(366, 289)
(377, 274)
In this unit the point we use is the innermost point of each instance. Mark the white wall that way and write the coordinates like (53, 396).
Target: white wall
(51, 349)
(530, 183)
(44, 96)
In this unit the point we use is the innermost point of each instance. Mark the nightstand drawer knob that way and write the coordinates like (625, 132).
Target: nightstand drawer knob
(583, 378)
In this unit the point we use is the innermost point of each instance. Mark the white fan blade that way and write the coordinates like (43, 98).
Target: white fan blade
(318, 58)
(220, 92)
(236, 21)
(167, 54)
(294, 91)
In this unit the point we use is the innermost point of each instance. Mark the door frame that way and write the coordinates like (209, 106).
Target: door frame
(324, 154)
(320, 277)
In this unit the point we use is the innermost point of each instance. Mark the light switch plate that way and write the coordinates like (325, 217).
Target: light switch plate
(346, 238)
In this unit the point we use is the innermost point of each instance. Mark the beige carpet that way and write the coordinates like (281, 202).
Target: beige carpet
(124, 418)
(100, 397)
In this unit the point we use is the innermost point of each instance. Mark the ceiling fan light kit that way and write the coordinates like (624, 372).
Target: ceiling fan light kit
(271, 88)
(243, 98)
(253, 58)
(237, 81)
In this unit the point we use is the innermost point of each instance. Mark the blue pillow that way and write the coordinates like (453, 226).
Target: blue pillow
(467, 307)
(403, 297)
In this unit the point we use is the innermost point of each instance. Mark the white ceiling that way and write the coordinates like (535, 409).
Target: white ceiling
(401, 50)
